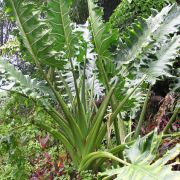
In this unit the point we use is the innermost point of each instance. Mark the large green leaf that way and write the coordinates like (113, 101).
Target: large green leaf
(143, 50)
(16, 81)
(169, 23)
(34, 32)
(146, 39)
(144, 166)
(165, 56)
(61, 30)
(103, 38)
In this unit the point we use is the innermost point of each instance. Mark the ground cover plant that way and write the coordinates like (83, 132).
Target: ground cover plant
(89, 79)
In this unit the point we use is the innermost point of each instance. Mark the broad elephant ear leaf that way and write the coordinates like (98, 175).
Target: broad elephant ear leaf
(103, 37)
(145, 43)
(150, 46)
(144, 166)
(34, 32)
(61, 27)
(18, 82)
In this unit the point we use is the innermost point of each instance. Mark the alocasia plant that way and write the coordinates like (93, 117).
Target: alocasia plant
(54, 45)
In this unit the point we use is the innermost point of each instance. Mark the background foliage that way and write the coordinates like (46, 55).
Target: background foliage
(127, 11)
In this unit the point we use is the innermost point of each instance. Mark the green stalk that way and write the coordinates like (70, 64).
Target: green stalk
(91, 138)
(92, 107)
(51, 74)
(74, 127)
(117, 130)
(130, 132)
(115, 151)
(120, 148)
(101, 65)
(113, 104)
(90, 158)
(72, 124)
(116, 112)
(122, 129)
(83, 91)
(82, 117)
(119, 107)
(63, 125)
(117, 127)
(173, 118)
(105, 77)
(143, 113)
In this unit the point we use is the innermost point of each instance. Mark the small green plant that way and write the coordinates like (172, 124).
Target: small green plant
(62, 57)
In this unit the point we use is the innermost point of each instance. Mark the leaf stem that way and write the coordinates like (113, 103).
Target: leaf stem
(90, 158)
(173, 118)
(142, 116)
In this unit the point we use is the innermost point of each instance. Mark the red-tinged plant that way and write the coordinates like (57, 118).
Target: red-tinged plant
(43, 141)
(47, 168)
